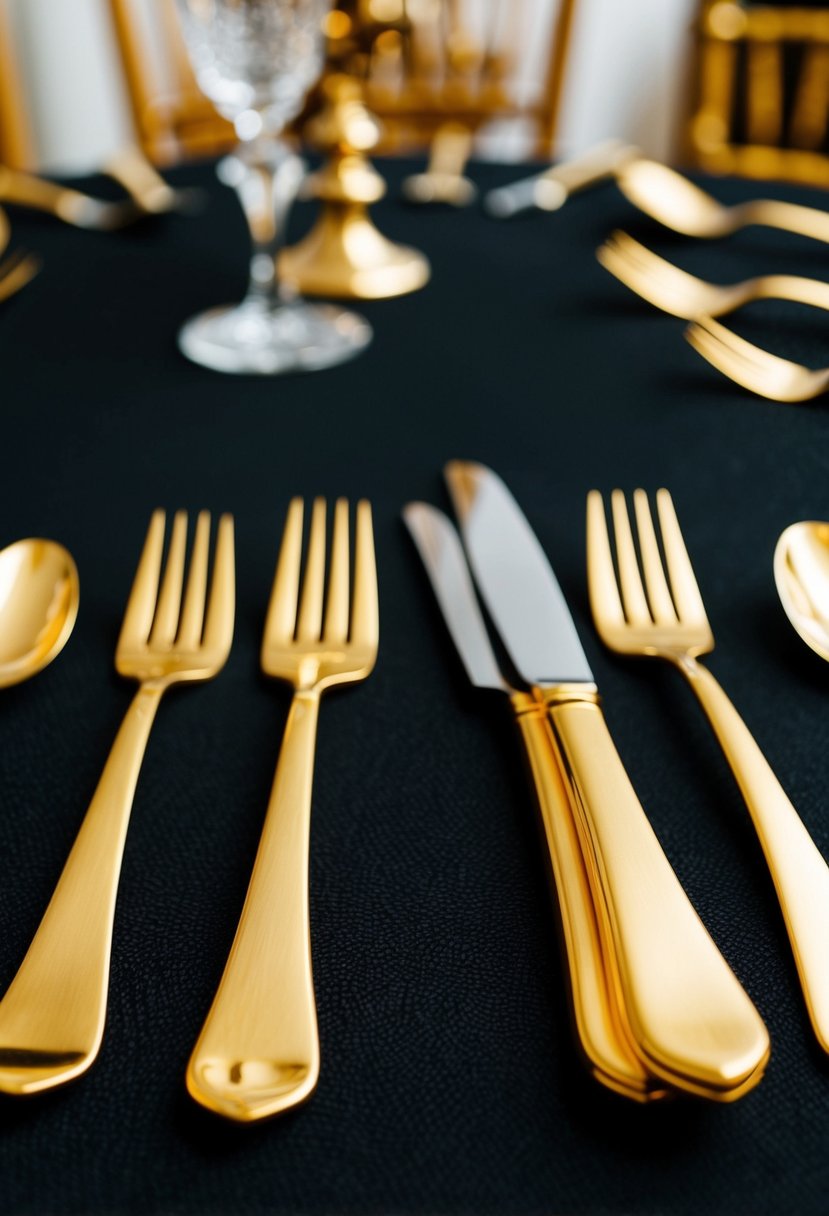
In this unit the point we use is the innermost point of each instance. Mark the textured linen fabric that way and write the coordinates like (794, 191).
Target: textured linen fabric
(450, 1082)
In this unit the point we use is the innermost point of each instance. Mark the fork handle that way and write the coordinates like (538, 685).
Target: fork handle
(258, 1051)
(800, 874)
(596, 1012)
(52, 1016)
(689, 1016)
(789, 217)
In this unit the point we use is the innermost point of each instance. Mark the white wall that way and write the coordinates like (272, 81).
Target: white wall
(626, 77)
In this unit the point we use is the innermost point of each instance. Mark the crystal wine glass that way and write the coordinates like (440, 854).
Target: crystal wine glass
(256, 60)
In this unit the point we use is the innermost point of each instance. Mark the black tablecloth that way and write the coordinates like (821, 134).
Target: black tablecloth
(449, 1081)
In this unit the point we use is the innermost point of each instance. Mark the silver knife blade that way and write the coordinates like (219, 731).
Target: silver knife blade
(440, 548)
(515, 578)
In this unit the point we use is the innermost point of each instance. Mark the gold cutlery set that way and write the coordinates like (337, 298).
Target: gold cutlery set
(657, 1011)
(680, 205)
(258, 1052)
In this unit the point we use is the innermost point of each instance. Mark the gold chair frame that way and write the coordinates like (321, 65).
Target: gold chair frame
(745, 46)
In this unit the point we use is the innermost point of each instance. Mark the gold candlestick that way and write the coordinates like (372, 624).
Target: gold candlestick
(344, 255)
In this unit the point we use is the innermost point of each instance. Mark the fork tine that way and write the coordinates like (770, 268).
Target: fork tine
(689, 606)
(169, 598)
(659, 597)
(633, 593)
(309, 620)
(336, 608)
(192, 613)
(280, 622)
(221, 606)
(364, 609)
(138, 617)
(605, 603)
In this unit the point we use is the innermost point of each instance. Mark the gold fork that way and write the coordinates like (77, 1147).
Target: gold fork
(664, 617)
(684, 295)
(52, 1016)
(752, 367)
(258, 1051)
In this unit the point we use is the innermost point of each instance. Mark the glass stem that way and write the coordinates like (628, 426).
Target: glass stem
(266, 175)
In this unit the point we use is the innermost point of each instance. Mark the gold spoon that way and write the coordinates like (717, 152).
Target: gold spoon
(676, 202)
(39, 594)
(801, 572)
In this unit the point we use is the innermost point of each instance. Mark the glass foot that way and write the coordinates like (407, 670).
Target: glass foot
(295, 336)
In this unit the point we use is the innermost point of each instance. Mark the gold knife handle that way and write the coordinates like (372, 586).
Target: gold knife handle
(689, 1016)
(594, 1005)
(30, 191)
(52, 1016)
(800, 874)
(258, 1051)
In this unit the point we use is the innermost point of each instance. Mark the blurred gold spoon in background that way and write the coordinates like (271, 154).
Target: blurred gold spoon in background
(678, 203)
(39, 595)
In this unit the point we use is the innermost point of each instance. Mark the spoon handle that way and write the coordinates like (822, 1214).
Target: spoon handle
(800, 874)
(52, 1016)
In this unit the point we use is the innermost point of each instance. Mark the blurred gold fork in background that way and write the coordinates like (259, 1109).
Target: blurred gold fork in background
(756, 369)
(258, 1051)
(684, 295)
(52, 1016)
(664, 617)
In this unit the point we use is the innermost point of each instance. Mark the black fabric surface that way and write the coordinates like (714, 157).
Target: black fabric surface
(450, 1082)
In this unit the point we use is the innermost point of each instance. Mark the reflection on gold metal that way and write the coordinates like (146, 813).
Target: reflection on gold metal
(740, 121)
(258, 1051)
(664, 617)
(39, 597)
(344, 255)
(600, 1021)
(756, 369)
(801, 572)
(52, 1016)
(443, 180)
(684, 295)
(679, 204)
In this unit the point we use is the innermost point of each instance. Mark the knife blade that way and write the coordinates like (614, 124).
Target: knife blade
(691, 1020)
(598, 1019)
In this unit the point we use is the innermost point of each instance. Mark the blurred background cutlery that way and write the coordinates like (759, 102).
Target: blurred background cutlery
(684, 295)
(756, 369)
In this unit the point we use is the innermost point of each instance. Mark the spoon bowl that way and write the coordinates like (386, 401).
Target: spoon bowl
(672, 199)
(801, 572)
(39, 595)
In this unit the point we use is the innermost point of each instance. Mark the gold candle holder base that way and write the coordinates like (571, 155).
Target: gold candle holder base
(344, 255)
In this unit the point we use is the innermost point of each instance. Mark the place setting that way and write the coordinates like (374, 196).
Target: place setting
(337, 404)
